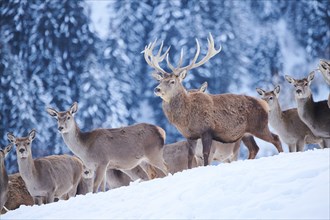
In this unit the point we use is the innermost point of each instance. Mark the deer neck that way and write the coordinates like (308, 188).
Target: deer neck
(177, 109)
(4, 176)
(305, 107)
(276, 116)
(73, 139)
(27, 168)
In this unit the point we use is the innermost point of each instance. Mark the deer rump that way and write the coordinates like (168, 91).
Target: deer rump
(227, 117)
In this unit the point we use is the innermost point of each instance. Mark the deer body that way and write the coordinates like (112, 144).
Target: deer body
(17, 194)
(224, 117)
(4, 176)
(119, 148)
(316, 115)
(46, 178)
(288, 124)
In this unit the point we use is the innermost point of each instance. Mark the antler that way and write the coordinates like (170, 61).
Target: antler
(152, 60)
(211, 52)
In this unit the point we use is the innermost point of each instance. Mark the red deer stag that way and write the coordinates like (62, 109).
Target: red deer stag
(4, 176)
(117, 148)
(316, 115)
(223, 117)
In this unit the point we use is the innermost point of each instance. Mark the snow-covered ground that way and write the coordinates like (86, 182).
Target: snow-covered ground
(285, 186)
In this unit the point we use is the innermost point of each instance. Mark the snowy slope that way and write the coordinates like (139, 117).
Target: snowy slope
(290, 186)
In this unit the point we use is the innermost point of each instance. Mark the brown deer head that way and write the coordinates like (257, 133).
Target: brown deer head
(170, 84)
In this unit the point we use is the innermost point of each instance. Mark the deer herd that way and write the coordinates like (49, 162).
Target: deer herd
(214, 127)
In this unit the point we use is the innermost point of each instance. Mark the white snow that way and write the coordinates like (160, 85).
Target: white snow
(99, 16)
(285, 186)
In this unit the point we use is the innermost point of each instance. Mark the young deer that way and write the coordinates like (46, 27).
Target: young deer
(46, 178)
(3, 176)
(225, 117)
(316, 115)
(287, 124)
(118, 148)
(17, 193)
(324, 68)
(86, 182)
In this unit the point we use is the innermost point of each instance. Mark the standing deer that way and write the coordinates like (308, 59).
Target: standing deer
(17, 193)
(316, 115)
(118, 148)
(224, 117)
(287, 124)
(47, 178)
(3, 176)
(324, 68)
(226, 152)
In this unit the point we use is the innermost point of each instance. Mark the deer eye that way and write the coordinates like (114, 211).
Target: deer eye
(68, 118)
(28, 143)
(271, 98)
(172, 82)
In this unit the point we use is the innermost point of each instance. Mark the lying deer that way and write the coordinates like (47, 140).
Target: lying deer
(4, 176)
(17, 193)
(46, 178)
(316, 115)
(118, 148)
(225, 118)
(287, 124)
(324, 68)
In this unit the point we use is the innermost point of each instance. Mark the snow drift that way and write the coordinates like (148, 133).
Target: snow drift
(288, 185)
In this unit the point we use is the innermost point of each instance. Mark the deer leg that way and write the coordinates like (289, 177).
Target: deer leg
(300, 145)
(268, 136)
(191, 151)
(50, 197)
(207, 143)
(326, 142)
(159, 162)
(252, 146)
(292, 148)
(99, 175)
(38, 200)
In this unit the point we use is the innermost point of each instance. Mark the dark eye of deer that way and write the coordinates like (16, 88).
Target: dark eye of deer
(172, 82)
(271, 98)
(68, 118)
(28, 143)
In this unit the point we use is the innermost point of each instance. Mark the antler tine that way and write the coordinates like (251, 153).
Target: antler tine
(210, 53)
(152, 60)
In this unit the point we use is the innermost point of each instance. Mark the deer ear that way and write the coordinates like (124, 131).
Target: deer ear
(74, 108)
(52, 112)
(277, 90)
(203, 87)
(260, 92)
(8, 149)
(32, 134)
(182, 75)
(289, 79)
(11, 137)
(311, 77)
(157, 76)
